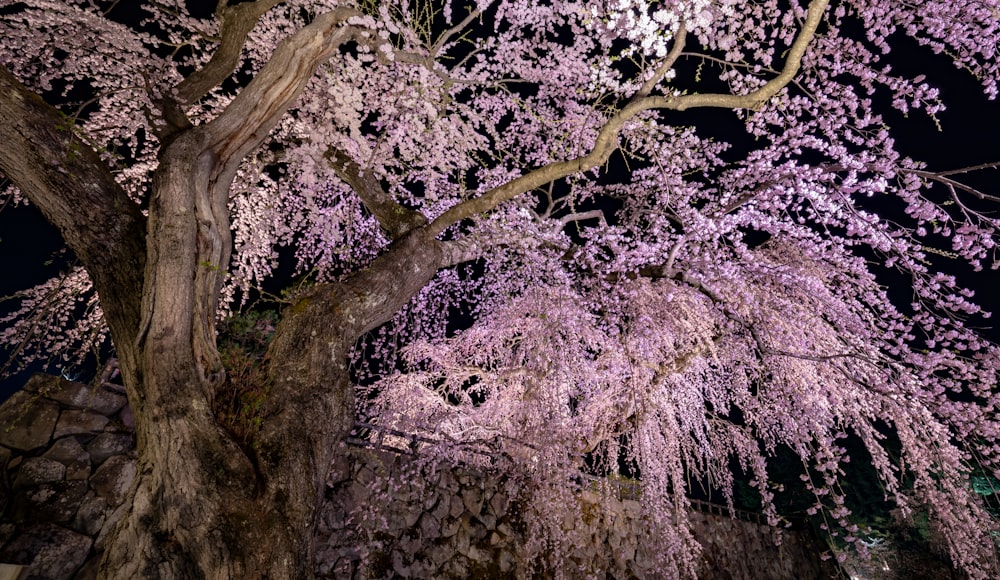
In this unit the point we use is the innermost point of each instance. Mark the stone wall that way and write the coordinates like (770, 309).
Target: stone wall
(734, 548)
(66, 463)
(389, 515)
(67, 460)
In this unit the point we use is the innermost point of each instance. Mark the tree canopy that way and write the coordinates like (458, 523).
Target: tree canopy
(510, 231)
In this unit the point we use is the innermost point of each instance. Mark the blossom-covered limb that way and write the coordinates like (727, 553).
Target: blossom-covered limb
(67, 180)
(607, 137)
(665, 66)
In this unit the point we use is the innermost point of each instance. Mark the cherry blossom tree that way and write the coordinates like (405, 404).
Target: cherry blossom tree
(637, 288)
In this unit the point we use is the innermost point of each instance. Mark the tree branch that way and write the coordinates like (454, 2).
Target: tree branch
(235, 24)
(752, 100)
(455, 252)
(594, 214)
(942, 177)
(971, 168)
(665, 66)
(245, 123)
(67, 180)
(607, 138)
(394, 218)
(448, 34)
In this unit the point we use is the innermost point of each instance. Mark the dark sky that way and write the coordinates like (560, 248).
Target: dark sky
(971, 125)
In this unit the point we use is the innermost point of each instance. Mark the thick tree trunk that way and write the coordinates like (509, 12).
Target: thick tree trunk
(195, 511)
(196, 508)
(202, 506)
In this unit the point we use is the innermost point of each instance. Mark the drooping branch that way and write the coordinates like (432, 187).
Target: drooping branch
(607, 137)
(971, 168)
(67, 180)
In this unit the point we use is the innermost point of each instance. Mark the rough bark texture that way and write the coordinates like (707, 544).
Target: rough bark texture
(255, 516)
(314, 406)
(66, 179)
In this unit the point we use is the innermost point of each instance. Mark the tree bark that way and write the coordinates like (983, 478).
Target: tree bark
(203, 507)
(67, 181)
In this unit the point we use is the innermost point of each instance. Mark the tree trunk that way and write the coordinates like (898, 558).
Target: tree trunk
(202, 505)
(196, 511)
(205, 506)
(196, 508)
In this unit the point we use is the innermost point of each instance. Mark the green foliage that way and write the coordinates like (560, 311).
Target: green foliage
(298, 288)
(984, 484)
(241, 401)
(249, 332)
(987, 486)
(879, 521)
(747, 497)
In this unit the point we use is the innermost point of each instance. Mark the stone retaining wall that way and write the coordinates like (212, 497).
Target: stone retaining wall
(389, 515)
(67, 461)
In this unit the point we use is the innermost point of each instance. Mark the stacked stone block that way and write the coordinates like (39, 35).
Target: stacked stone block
(392, 516)
(66, 464)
